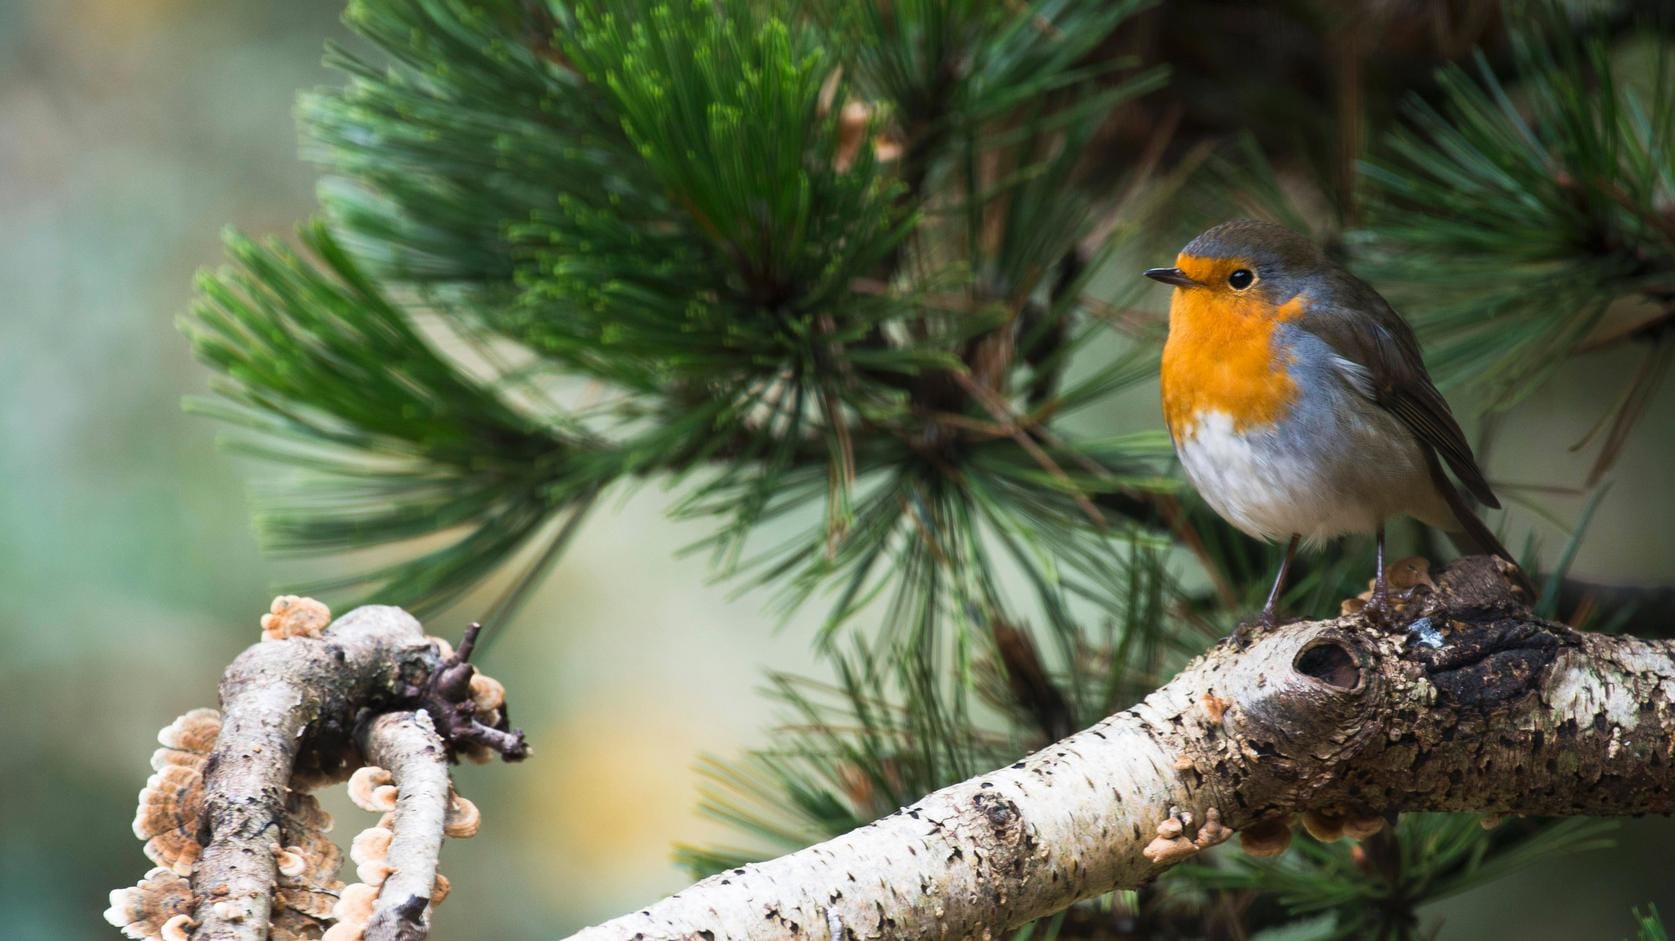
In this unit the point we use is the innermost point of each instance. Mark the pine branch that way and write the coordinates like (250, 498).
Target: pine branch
(465, 128)
(1475, 706)
(1649, 926)
(1377, 890)
(659, 197)
(1561, 186)
(323, 372)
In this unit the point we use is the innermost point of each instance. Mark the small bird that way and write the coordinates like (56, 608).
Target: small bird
(1299, 404)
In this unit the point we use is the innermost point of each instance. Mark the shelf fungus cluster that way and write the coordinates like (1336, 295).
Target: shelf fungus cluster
(374, 789)
(1173, 845)
(170, 820)
(305, 707)
(1269, 837)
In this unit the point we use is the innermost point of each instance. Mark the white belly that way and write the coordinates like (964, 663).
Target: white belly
(1271, 486)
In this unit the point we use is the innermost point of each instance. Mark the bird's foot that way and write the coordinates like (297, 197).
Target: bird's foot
(1379, 612)
(1388, 613)
(1265, 620)
(1389, 600)
(1246, 630)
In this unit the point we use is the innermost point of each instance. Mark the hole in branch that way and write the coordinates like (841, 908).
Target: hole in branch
(1330, 662)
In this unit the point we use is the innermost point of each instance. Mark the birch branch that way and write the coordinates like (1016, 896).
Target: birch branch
(1472, 705)
(407, 744)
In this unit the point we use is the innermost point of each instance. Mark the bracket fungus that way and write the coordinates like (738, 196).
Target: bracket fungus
(1268, 838)
(372, 788)
(1172, 845)
(171, 817)
(294, 616)
(395, 859)
(160, 901)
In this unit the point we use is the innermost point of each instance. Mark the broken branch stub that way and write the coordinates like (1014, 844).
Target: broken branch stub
(1472, 704)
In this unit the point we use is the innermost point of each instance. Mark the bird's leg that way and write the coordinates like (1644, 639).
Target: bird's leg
(1378, 606)
(1270, 610)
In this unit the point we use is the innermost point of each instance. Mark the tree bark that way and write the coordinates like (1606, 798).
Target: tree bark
(407, 745)
(1469, 704)
(305, 707)
(271, 697)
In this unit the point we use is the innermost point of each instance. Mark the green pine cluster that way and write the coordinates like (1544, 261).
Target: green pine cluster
(843, 270)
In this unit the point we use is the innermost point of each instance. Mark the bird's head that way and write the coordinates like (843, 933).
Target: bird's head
(1244, 268)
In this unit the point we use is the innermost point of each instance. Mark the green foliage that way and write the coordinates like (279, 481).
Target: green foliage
(1371, 889)
(949, 66)
(881, 737)
(745, 274)
(1649, 927)
(464, 124)
(322, 372)
(661, 196)
(1518, 214)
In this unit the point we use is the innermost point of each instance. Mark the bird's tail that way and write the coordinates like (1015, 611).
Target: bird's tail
(1472, 535)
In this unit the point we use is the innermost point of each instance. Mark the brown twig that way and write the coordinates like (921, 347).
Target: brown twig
(446, 695)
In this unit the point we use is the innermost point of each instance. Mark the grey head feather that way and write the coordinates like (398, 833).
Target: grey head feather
(1286, 264)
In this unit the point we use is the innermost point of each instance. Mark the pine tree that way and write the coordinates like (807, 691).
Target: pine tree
(848, 265)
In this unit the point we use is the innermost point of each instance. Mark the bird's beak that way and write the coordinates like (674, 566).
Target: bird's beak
(1174, 276)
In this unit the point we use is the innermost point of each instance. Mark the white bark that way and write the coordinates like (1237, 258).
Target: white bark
(1066, 823)
(406, 744)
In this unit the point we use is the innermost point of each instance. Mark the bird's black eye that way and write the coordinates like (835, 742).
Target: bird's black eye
(1240, 279)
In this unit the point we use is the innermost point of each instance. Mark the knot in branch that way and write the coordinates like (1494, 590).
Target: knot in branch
(1297, 702)
(1298, 708)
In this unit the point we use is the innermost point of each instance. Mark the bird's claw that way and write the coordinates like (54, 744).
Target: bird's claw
(1265, 620)
(1380, 611)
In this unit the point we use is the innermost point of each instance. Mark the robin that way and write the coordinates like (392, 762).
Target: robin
(1299, 404)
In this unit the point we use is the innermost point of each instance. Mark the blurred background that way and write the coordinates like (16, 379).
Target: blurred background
(131, 131)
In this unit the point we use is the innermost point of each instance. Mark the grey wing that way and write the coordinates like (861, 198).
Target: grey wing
(1392, 374)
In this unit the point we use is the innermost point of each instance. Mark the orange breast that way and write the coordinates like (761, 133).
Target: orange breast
(1221, 356)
